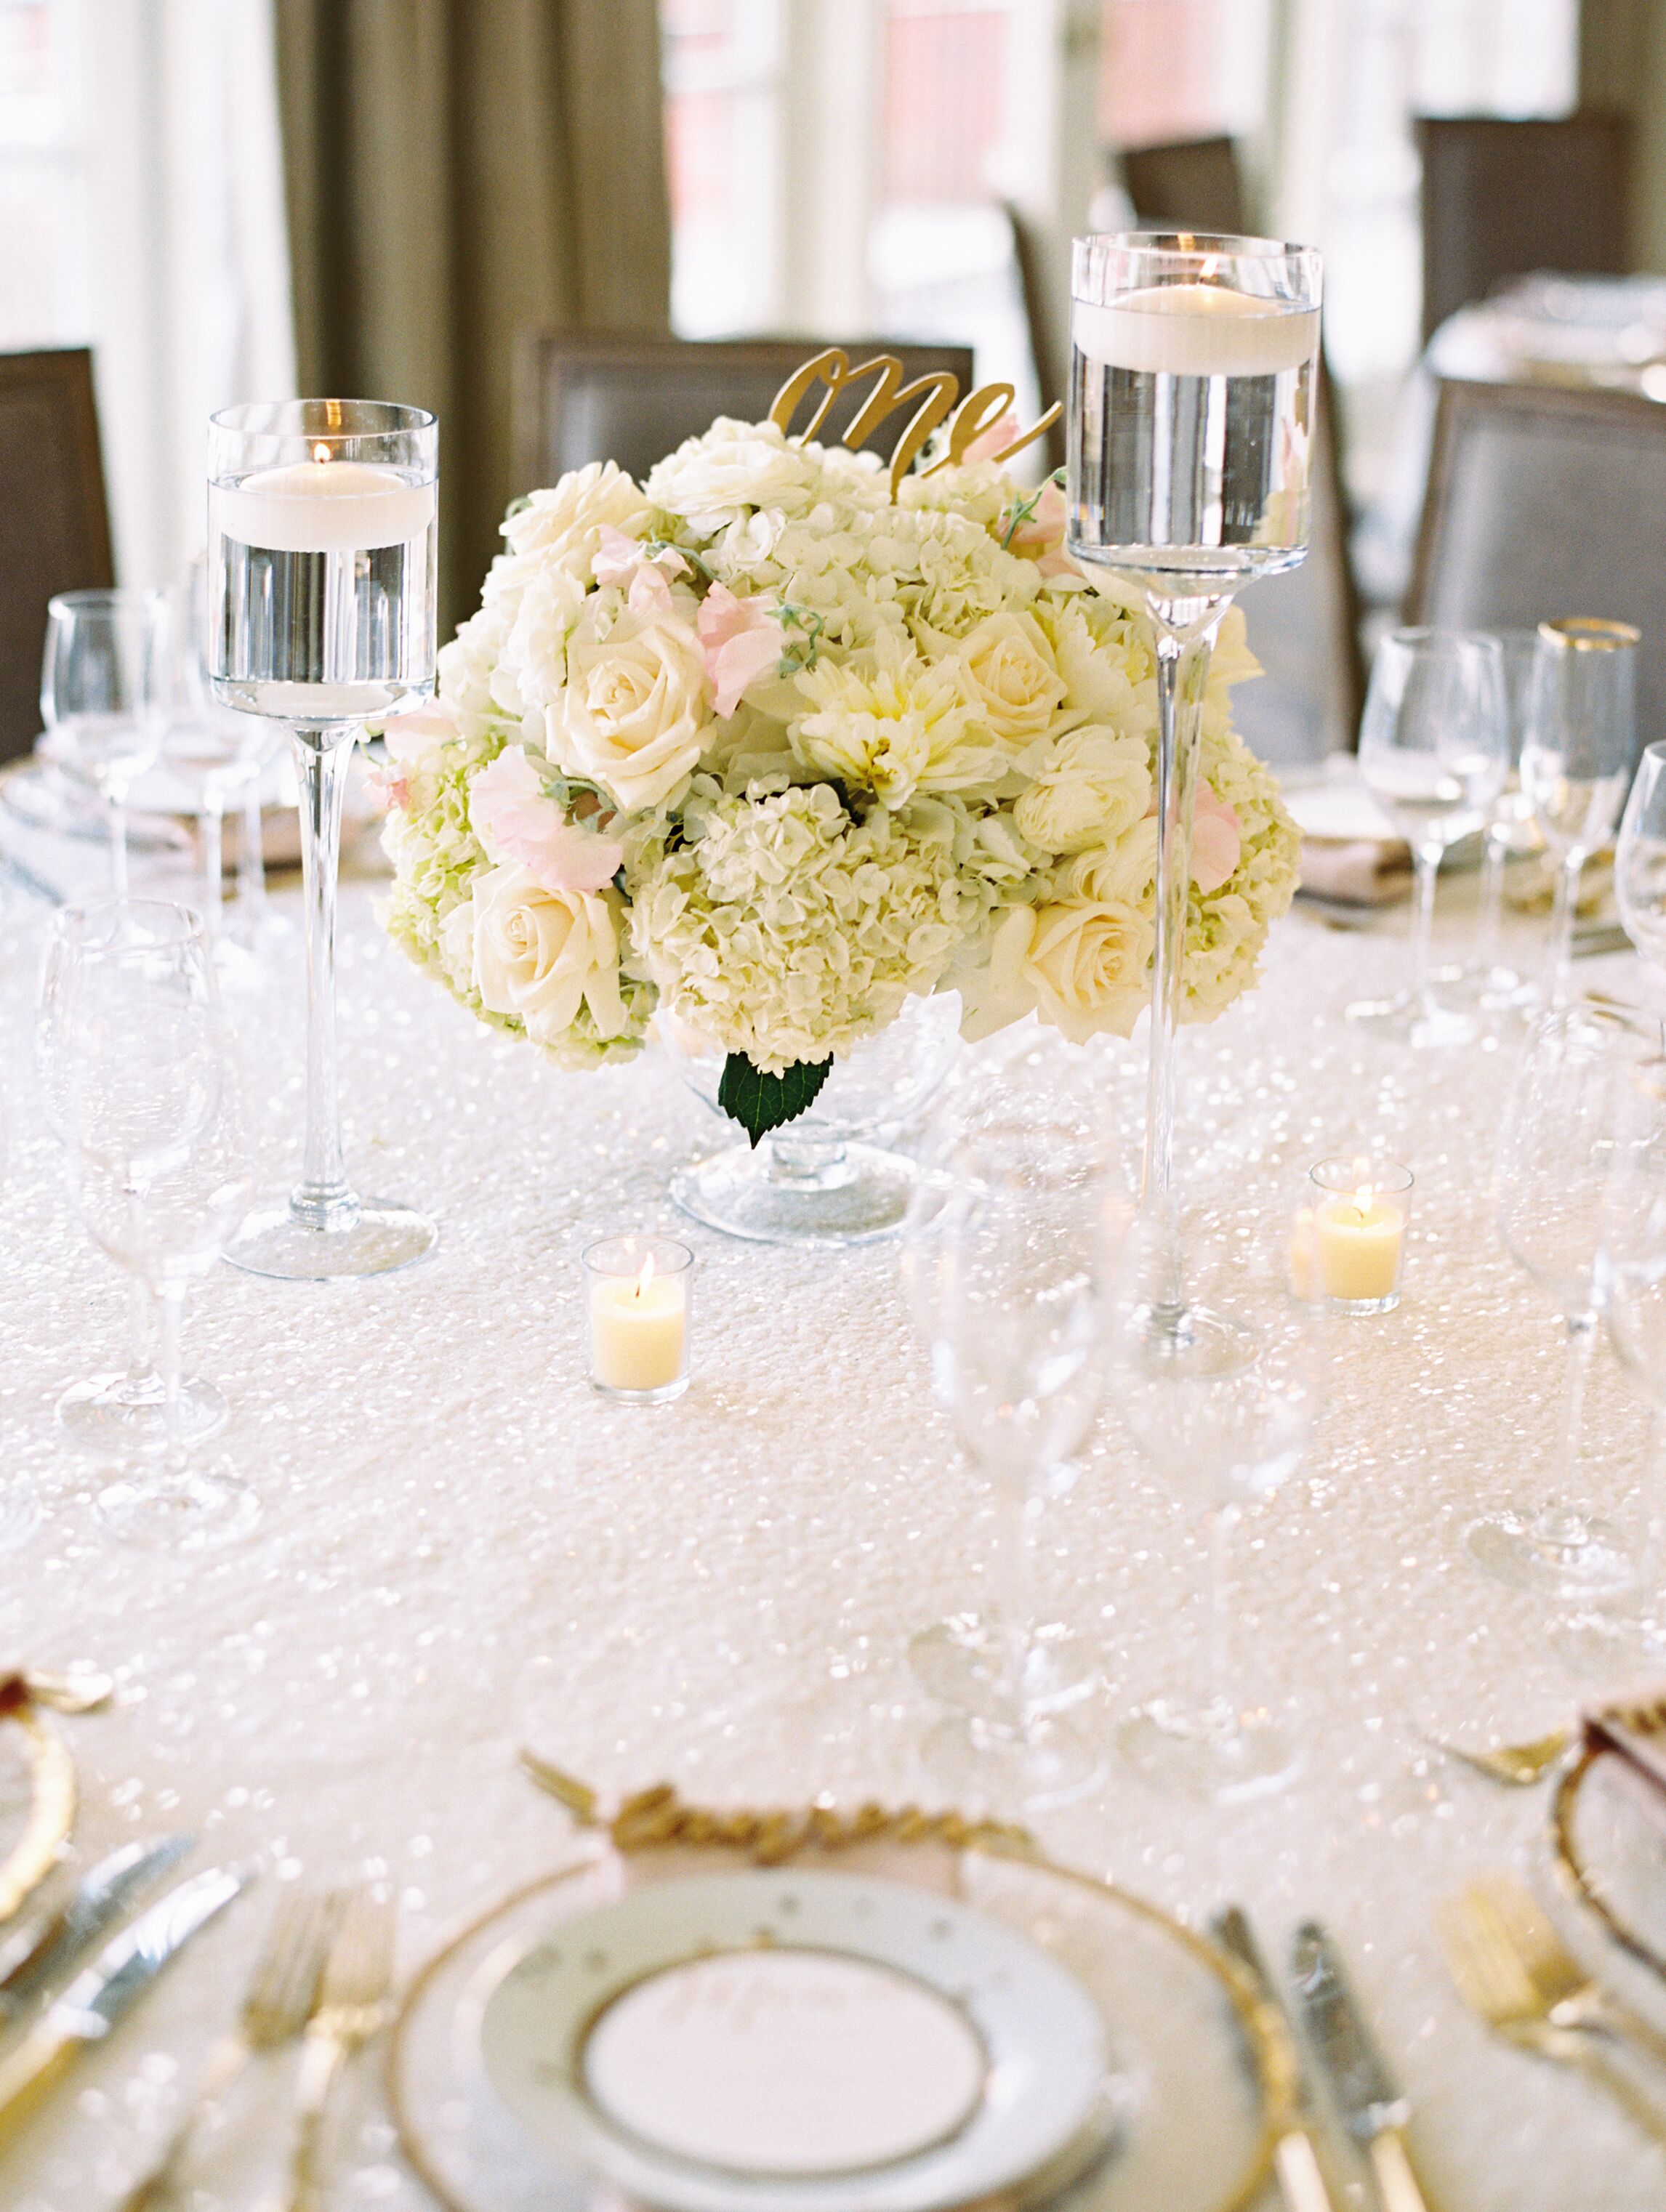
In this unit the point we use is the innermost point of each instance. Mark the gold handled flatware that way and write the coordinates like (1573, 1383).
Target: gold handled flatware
(358, 1974)
(1567, 1995)
(277, 2004)
(1519, 1765)
(1491, 1981)
(1373, 2108)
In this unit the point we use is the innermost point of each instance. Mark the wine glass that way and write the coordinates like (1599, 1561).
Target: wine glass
(1193, 367)
(1489, 979)
(1221, 1440)
(214, 748)
(1639, 866)
(1555, 1158)
(322, 536)
(1023, 1243)
(140, 1076)
(102, 679)
(1434, 749)
(1576, 759)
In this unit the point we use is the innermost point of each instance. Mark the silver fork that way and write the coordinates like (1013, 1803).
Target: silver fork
(277, 2006)
(352, 2005)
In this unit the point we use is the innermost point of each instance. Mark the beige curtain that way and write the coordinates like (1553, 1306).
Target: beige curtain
(1622, 63)
(458, 171)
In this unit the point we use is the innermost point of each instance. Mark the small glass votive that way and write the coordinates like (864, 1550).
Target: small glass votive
(637, 1289)
(1349, 1244)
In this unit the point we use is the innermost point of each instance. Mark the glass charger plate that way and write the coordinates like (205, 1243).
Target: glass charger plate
(1200, 2061)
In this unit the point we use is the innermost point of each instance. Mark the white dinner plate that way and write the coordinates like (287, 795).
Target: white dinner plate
(796, 2042)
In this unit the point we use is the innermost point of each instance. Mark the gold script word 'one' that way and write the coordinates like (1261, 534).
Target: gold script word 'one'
(979, 412)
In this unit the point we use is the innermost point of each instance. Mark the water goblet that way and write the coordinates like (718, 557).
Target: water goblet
(1555, 1155)
(1639, 865)
(1221, 1440)
(1192, 366)
(1489, 979)
(144, 1075)
(1434, 748)
(102, 681)
(1024, 1251)
(1577, 758)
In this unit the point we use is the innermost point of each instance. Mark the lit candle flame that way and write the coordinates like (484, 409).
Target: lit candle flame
(1362, 1200)
(644, 1278)
(321, 452)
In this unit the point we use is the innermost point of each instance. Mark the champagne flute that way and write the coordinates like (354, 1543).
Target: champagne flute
(144, 1075)
(102, 679)
(1222, 1440)
(322, 533)
(1576, 760)
(1193, 364)
(1023, 1249)
(1555, 1158)
(1434, 749)
(1639, 866)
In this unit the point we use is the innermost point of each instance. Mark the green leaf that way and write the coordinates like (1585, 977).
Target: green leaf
(761, 1102)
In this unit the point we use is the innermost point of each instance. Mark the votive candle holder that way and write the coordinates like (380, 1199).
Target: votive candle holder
(637, 1294)
(1350, 1245)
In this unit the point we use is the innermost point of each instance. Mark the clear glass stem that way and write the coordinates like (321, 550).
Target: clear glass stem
(1016, 1512)
(1489, 929)
(116, 802)
(1423, 927)
(171, 1300)
(214, 859)
(141, 1329)
(1562, 916)
(323, 1200)
(251, 858)
(1562, 1522)
(1212, 1679)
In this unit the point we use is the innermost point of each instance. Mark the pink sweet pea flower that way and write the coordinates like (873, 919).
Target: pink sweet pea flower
(1044, 529)
(408, 737)
(1217, 840)
(509, 804)
(650, 592)
(988, 443)
(741, 638)
(620, 558)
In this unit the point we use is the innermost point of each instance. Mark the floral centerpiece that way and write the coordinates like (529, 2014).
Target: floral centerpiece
(755, 748)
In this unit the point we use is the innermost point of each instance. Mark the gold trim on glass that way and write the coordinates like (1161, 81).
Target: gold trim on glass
(1589, 633)
(1576, 1877)
(51, 1805)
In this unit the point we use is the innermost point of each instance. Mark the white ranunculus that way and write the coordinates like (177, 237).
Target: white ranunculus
(715, 480)
(563, 525)
(635, 714)
(1089, 785)
(542, 955)
(536, 647)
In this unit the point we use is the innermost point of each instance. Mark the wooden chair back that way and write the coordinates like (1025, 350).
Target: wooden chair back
(634, 399)
(1194, 184)
(54, 523)
(1503, 198)
(1544, 501)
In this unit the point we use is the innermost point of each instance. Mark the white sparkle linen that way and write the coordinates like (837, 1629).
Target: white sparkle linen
(462, 1548)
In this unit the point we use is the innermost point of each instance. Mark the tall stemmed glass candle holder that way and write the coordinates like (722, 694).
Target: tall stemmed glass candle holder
(1193, 362)
(321, 613)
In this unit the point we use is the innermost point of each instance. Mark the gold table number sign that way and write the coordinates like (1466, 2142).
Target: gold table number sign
(978, 412)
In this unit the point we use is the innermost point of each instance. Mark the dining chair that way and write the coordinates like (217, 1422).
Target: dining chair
(1502, 198)
(1048, 345)
(633, 399)
(1545, 499)
(54, 522)
(1304, 626)
(1191, 184)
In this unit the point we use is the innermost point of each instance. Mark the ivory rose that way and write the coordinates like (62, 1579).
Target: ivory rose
(632, 717)
(541, 955)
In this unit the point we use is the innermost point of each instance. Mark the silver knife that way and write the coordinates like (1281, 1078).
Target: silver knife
(51, 1943)
(1301, 2181)
(97, 1999)
(1373, 2108)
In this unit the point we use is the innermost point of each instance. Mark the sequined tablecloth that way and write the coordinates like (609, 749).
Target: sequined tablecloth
(462, 1549)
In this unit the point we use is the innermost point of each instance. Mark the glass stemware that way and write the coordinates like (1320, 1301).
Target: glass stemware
(322, 534)
(1555, 1158)
(1488, 978)
(1221, 1440)
(1434, 748)
(140, 1078)
(1193, 363)
(1022, 1244)
(1639, 865)
(1576, 760)
(102, 680)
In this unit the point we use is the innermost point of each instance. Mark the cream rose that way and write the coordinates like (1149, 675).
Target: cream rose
(541, 955)
(1088, 786)
(1017, 689)
(1087, 960)
(1124, 873)
(634, 715)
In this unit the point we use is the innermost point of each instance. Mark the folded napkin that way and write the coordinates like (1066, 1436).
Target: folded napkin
(1357, 871)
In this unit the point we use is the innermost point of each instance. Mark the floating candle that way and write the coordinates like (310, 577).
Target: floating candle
(322, 506)
(1196, 330)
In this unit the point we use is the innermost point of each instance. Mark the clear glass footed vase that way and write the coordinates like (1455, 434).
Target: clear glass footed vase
(834, 1175)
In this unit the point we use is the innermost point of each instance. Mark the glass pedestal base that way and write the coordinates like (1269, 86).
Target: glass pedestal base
(1408, 1019)
(196, 1511)
(1216, 1755)
(368, 1237)
(20, 1514)
(1051, 1762)
(809, 1195)
(962, 1662)
(115, 1414)
(1554, 1553)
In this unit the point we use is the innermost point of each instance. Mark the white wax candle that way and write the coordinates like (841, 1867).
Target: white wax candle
(1358, 1241)
(1196, 330)
(636, 1330)
(322, 506)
